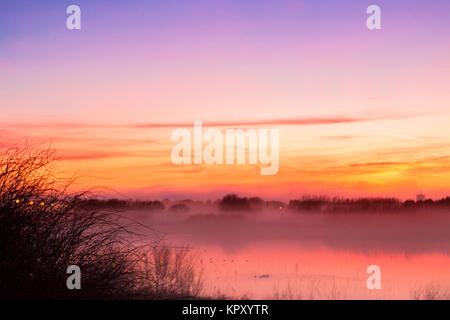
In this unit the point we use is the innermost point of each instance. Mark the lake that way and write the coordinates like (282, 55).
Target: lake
(273, 255)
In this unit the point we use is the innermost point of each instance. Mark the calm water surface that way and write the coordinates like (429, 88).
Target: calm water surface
(313, 256)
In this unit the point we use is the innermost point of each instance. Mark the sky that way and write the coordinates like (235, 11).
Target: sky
(360, 112)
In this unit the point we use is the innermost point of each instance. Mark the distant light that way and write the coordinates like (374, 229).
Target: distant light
(17, 201)
(41, 204)
(31, 203)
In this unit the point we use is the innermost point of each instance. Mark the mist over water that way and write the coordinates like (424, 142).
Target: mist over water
(279, 254)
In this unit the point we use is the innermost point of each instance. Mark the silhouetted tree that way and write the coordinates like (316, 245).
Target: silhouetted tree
(232, 202)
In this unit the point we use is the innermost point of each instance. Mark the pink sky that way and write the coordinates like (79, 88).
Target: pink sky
(360, 112)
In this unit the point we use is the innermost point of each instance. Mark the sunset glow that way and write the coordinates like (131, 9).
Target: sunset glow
(359, 113)
(224, 159)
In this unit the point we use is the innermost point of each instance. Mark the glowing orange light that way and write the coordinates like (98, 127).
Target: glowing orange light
(31, 203)
(17, 201)
(41, 204)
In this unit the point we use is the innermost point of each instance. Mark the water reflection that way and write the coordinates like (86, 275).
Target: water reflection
(315, 256)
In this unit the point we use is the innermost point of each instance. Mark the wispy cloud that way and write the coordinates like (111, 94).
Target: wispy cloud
(91, 156)
(377, 164)
(268, 122)
(344, 137)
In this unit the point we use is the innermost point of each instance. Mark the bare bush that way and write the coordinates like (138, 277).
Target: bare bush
(44, 229)
(172, 272)
(432, 291)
